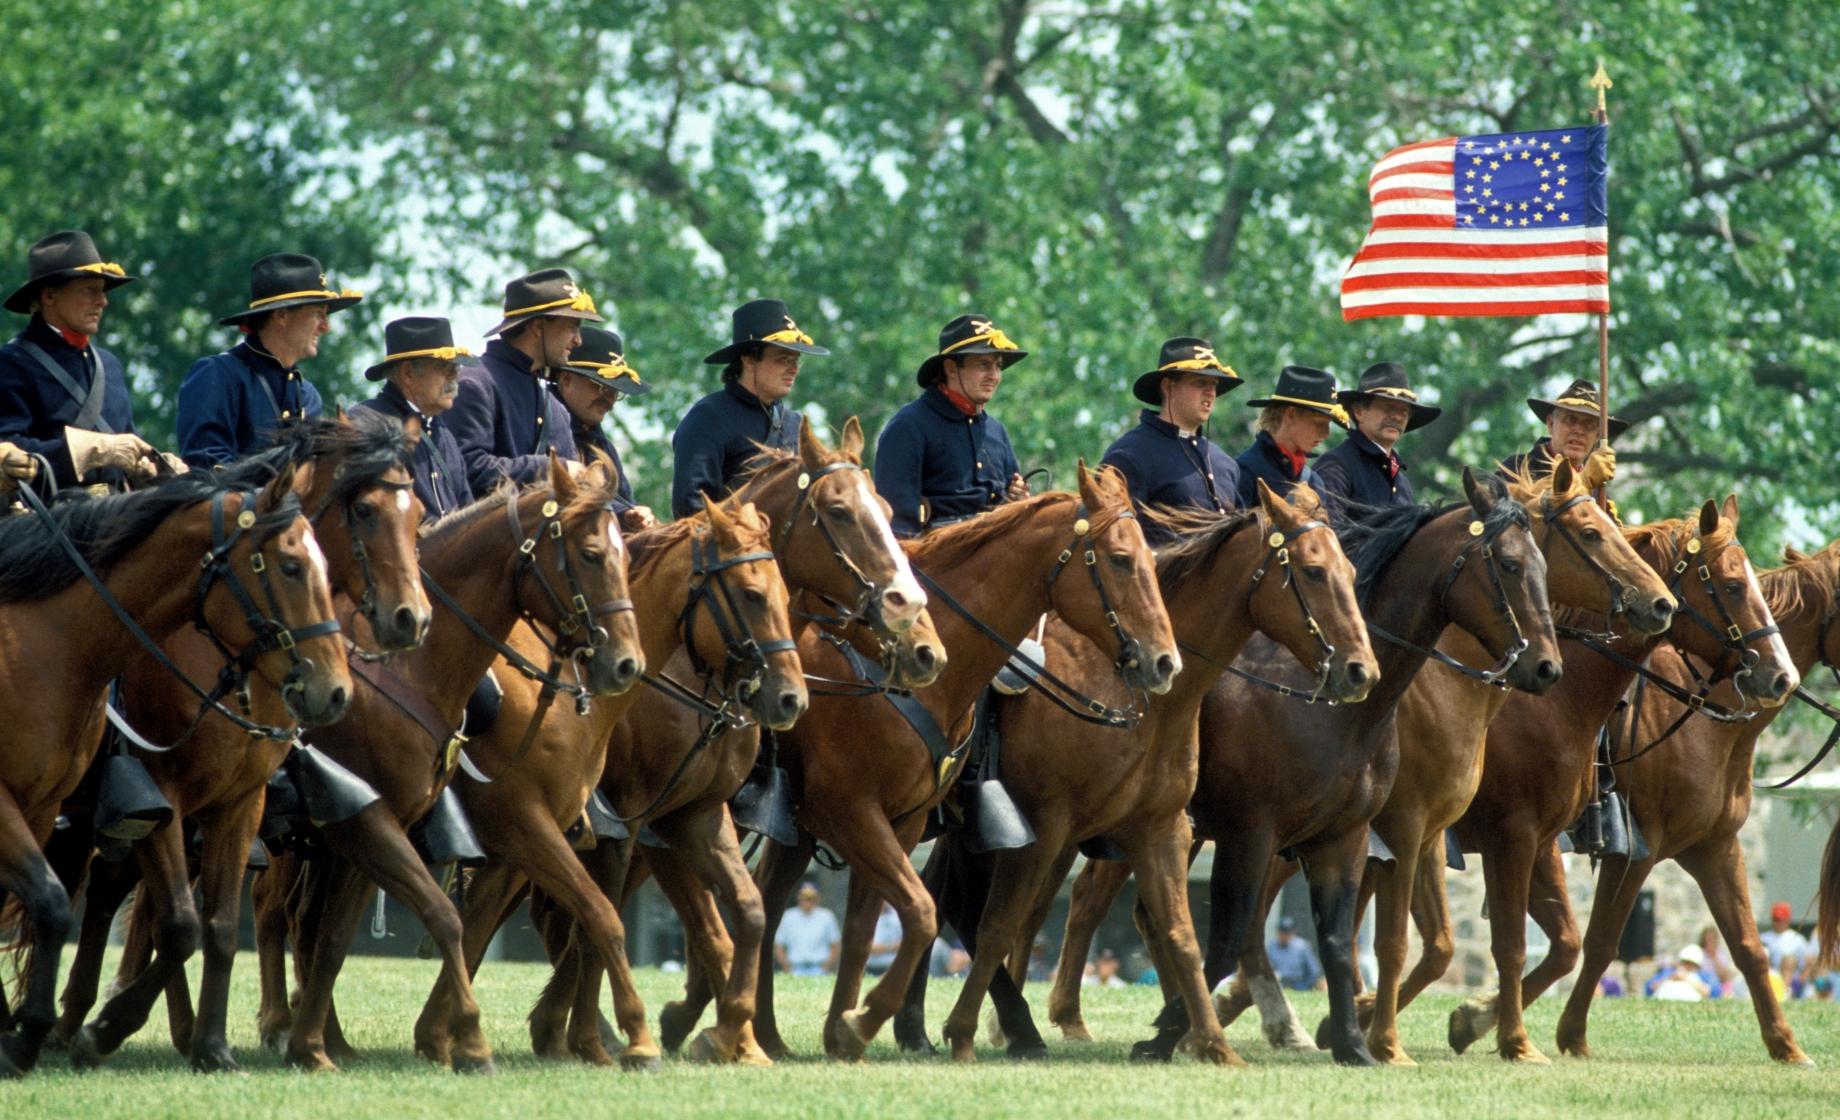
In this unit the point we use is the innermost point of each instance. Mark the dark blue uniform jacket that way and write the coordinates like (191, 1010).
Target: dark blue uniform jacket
(715, 442)
(1163, 467)
(224, 413)
(1264, 460)
(961, 465)
(35, 408)
(1354, 475)
(440, 472)
(589, 439)
(506, 421)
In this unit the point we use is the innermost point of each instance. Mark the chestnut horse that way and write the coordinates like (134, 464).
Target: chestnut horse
(551, 556)
(215, 773)
(545, 759)
(1277, 775)
(841, 561)
(1538, 771)
(62, 642)
(1444, 719)
(1073, 779)
(1691, 795)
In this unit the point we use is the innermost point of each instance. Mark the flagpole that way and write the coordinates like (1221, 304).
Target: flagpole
(1600, 82)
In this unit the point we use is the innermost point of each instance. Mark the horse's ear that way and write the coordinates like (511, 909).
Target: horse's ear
(1793, 555)
(721, 523)
(852, 445)
(1708, 518)
(1275, 507)
(812, 451)
(277, 490)
(1730, 510)
(751, 517)
(341, 414)
(1089, 487)
(560, 480)
(1563, 477)
(413, 428)
(1478, 495)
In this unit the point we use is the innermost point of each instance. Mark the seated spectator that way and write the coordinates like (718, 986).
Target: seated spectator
(1718, 962)
(808, 937)
(1684, 983)
(1790, 953)
(1293, 959)
(949, 958)
(886, 941)
(1104, 972)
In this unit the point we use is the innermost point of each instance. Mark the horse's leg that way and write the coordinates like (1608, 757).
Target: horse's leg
(105, 888)
(490, 897)
(573, 991)
(1549, 903)
(861, 908)
(1393, 887)
(1011, 1022)
(712, 851)
(1159, 860)
(220, 875)
(269, 897)
(1334, 873)
(167, 887)
(340, 892)
(1431, 914)
(1508, 875)
(878, 860)
(25, 874)
(1094, 890)
(1619, 885)
(1016, 877)
(1255, 984)
(778, 874)
(1717, 865)
(910, 1021)
(708, 949)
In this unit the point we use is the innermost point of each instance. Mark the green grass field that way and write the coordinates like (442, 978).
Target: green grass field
(1683, 1061)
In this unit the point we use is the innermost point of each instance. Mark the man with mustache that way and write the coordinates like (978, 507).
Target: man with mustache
(1364, 472)
(595, 380)
(1167, 459)
(943, 458)
(1571, 421)
(717, 439)
(421, 375)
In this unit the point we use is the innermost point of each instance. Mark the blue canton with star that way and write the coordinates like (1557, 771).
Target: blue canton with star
(1532, 180)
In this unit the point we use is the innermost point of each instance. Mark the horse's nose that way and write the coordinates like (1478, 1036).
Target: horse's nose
(1778, 686)
(625, 672)
(1165, 666)
(1547, 673)
(925, 659)
(406, 627)
(790, 704)
(1359, 675)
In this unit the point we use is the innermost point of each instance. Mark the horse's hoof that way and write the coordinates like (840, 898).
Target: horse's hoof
(845, 1039)
(85, 1052)
(1525, 1054)
(1800, 1061)
(1324, 1037)
(215, 1058)
(311, 1063)
(1462, 1029)
(476, 1064)
(749, 1053)
(1075, 1031)
(1364, 1009)
(1149, 1051)
(1287, 1034)
(1357, 1055)
(1028, 1051)
(705, 1050)
(640, 1062)
(275, 1041)
(675, 1022)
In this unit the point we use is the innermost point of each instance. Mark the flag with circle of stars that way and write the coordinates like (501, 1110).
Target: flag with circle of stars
(1531, 180)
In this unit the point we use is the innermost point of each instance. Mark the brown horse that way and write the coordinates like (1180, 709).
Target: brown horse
(1474, 565)
(1074, 779)
(1691, 795)
(558, 552)
(1538, 770)
(215, 774)
(1444, 719)
(545, 759)
(61, 642)
(840, 560)
(866, 779)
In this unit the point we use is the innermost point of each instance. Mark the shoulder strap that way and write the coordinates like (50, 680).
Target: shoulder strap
(262, 383)
(543, 413)
(89, 401)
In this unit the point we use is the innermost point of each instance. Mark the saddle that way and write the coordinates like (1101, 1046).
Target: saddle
(763, 804)
(445, 835)
(310, 790)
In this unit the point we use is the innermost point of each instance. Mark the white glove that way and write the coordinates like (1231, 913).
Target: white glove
(1599, 466)
(175, 464)
(92, 451)
(16, 466)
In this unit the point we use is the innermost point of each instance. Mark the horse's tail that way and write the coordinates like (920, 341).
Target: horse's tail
(1827, 922)
(15, 945)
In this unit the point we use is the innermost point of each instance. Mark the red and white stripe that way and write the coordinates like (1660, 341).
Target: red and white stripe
(1416, 261)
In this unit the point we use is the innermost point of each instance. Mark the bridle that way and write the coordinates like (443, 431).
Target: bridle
(1620, 593)
(367, 602)
(1483, 541)
(1277, 551)
(868, 605)
(1064, 695)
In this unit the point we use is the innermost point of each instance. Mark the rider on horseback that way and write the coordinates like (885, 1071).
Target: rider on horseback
(943, 458)
(64, 402)
(421, 375)
(1364, 471)
(1295, 421)
(1167, 460)
(233, 403)
(595, 379)
(717, 438)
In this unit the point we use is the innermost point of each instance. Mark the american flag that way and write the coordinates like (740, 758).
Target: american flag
(1509, 224)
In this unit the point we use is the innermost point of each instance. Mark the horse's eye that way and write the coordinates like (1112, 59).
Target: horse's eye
(755, 596)
(1592, 535)
(291, 569)
(1315, 573)
(1121, 560)
(1734, 589)
(363, 511)
(1511, 567)
(839, 513)
(594, 557)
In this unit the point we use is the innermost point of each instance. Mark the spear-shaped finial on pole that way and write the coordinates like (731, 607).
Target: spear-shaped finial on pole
(1600, 82)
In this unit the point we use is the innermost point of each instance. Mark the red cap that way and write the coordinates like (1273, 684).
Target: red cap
(1781, 912)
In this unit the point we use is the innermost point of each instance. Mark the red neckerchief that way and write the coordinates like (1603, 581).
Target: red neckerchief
(1295, 458)
(1392, 466)
(960, 401)
(77, 341)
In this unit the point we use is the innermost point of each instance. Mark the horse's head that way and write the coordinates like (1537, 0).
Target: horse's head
(1109, 593)
(1495, 587)
(834, 538)
(918, 656)
(1589, 565)
(572, 577)
(270, 596)
(1308, 602)
(359, 490)
(745, 625)
(1723, 618)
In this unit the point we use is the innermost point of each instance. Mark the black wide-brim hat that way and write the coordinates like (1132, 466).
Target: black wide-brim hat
(286, 280)
(1179, 358)
(1306, 388)
(543, 294)
(66, 255)
(1387, 381)
(417, 336)
(1579, 396)
(963, 337)
(601, 358)
(764, 321)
